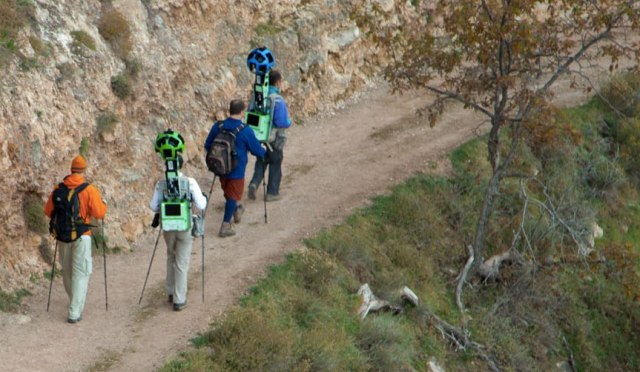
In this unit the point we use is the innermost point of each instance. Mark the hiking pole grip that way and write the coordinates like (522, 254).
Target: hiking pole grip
(149, 269)
(104, 261)
(53, 272)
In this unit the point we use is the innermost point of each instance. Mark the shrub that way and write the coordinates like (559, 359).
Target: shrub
(33, 210)
(267, 29)
(10, 302)
(121, 86)
(29, 63)
(40, 47)
(84, 147)
(81, 40)
(66, 70)
(115, 29)
(14, 15)
(106, 121)
(132, 67)
(621, 93)
(629, 140)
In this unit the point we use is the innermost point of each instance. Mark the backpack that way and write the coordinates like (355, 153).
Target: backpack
(222, 156)
(66, 224)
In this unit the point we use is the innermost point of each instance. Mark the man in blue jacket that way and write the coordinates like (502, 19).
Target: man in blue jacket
(275, 154)
(233, 184)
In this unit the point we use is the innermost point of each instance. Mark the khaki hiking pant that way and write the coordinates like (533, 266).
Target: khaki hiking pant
(75, 258)
(178, 258)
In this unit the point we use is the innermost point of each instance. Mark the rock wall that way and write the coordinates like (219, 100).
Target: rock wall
(187, 59)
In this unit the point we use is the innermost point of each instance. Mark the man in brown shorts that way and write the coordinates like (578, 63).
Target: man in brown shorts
(233, 183)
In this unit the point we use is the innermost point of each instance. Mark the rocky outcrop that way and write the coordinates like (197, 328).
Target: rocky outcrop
(185, 60)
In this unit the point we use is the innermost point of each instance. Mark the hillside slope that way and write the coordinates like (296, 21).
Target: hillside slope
(107, 76)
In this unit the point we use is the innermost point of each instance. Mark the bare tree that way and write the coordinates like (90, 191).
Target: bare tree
(499, 58)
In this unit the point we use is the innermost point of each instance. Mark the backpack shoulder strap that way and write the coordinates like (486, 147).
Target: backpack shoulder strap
(81, 187)
(238, 129)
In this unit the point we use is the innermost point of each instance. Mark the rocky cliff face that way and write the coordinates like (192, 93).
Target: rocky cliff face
(104, 77)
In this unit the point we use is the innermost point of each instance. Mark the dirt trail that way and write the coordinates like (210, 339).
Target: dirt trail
(331, 166)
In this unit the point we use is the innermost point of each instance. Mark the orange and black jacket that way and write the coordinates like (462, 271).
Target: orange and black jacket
(91, 204)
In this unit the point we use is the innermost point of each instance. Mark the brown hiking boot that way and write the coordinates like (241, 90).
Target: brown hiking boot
(226, 230)
(237, 215)
(251, 193)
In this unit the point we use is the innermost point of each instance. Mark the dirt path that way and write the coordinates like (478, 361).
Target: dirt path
(332, 166)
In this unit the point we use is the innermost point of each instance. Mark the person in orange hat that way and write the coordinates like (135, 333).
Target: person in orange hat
(70, 226)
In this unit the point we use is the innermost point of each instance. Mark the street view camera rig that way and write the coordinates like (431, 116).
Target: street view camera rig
(175, 210)
(260, 61)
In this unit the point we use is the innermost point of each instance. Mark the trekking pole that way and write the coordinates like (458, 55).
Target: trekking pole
(264, 188)
(53, 272)
(104, 260)
(204, 213)
(203, 259)
(149, 269)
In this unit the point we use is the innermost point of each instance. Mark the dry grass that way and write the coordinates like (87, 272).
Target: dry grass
(115, 29)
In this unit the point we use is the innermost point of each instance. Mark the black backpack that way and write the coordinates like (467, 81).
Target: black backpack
(221, 158)
(66, 224)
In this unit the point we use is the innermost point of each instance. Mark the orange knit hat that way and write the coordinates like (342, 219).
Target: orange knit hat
(78, 164)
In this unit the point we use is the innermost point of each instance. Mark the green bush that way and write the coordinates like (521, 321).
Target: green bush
(81, 40)
(84, 147)
(10, 302)
(267, 29)
(132, 67)
(40, 47)
(620, 94)
(66, 70)
(29, 63)
(106, 122)
(115, 29)
(121, 86)
(14, 15)
(33, 209)
(629, 140)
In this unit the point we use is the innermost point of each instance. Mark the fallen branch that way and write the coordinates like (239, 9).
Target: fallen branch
(572, 362)
(462, 279)
(370, 302)
(490, 268)
(461, 338)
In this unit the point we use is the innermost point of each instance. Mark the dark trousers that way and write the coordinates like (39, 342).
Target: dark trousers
(274, 165)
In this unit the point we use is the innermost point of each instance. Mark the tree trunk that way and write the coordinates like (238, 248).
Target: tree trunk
(478, 245)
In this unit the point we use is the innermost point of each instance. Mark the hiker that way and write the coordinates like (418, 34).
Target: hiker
(273, 161)
(233, 183)
(73, 234)
(178, 243)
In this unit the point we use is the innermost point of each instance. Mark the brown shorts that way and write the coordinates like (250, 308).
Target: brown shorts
(233, 188)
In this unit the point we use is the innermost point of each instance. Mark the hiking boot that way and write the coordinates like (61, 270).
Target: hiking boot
(251, 193)
(74, 321)
(271, 197)
(237, 215)
(178, 307)
(226, 230)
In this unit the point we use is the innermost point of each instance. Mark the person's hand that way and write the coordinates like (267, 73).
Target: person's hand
(156, 220)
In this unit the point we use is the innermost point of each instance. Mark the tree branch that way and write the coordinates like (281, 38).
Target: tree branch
(462, 279)
(460, 99)
(461, 338)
